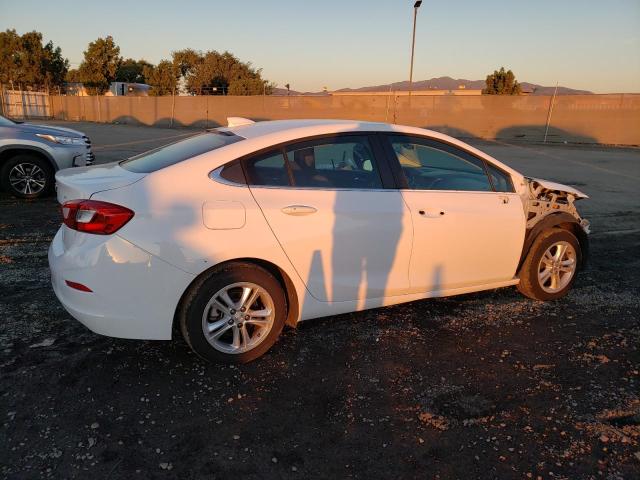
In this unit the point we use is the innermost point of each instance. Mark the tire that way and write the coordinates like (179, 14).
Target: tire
(537, 273)
(206, 307)
(38, 174)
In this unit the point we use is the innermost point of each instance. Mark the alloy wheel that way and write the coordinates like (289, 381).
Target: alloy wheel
(238, 317)
(27, 178)
(557, 267)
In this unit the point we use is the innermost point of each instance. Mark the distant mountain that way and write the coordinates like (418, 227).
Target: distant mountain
(448, 83)
(440, 83)
(284, 92)
(541, 90)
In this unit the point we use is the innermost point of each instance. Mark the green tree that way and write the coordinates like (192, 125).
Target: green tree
(73, 76)
(250, 86)
(10, 47)
(132, 71)
(30, 59)
(101, 62)
(214, 73)
(55, 66)
(163, 78)
(502, 83)
(25, 62)
(185, 60)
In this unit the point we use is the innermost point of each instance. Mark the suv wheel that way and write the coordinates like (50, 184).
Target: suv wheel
(550, 268)
(233, 315)
(27, 176)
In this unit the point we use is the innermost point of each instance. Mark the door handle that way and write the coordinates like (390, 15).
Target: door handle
(432, 213)
(298, 210)
(503, 198)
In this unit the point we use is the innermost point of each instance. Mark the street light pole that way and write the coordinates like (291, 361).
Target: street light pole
(416, 6)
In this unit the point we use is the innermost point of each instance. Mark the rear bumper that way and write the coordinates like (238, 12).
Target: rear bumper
(134, 294)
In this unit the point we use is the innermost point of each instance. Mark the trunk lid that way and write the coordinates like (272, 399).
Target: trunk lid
(83, 182)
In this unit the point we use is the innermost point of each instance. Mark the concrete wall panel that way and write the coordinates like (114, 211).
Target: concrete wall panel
(607, 119)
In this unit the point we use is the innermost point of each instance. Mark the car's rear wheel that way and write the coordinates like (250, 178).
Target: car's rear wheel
(233, 315)
(27, 176)
(550, 268)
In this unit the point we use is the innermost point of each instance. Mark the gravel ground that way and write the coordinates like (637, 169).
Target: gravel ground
(488, 385)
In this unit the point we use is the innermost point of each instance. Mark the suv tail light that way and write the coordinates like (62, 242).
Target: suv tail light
(92, 216)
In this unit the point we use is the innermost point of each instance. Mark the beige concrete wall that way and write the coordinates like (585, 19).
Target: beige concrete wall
(608, 119)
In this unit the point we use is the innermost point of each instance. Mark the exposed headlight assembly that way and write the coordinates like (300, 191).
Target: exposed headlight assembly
(61, 140)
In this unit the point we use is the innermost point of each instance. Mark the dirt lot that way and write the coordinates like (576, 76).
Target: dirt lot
(488, 385)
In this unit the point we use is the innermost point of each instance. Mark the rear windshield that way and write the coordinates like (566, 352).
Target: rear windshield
(173, 153)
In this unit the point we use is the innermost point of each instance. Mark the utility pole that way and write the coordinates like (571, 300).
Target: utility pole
(173, 105)
(551, 103)
(2, 101)
(416, 6)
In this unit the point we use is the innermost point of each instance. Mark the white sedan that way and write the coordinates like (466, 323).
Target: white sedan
(235, 232)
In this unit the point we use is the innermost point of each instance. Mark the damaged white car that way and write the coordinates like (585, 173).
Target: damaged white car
(231, 234)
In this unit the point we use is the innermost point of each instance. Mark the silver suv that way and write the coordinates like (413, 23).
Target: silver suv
(30, 155)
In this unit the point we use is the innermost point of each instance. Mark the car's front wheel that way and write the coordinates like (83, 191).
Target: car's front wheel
(234, 314)
(550, 268)
(27, 176)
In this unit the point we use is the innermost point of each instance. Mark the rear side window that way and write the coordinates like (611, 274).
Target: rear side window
(232, 172)
(342, 162)
(501, 181)
(268, 169)
(177, 152)
(331, 162)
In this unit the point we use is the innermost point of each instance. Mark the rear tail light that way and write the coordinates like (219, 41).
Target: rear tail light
(92, 216)
(78, 286)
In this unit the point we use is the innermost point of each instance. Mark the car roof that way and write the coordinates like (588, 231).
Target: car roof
(276, 131)
(262, 128)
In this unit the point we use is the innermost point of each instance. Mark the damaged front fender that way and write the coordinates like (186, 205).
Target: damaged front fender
(546, 198)
(550, 204)
(559, 187)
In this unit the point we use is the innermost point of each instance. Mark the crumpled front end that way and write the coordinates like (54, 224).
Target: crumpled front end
(545, 198)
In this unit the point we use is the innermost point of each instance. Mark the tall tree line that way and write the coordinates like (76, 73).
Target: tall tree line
(25, 62)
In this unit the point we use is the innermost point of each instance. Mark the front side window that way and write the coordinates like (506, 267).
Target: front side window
(501, 181)
(343, 162)
(426, 165)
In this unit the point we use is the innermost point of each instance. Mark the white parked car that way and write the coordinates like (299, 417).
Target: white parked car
(235, 232)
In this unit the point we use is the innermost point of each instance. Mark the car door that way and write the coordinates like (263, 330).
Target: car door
(347, 236)
(468, 222)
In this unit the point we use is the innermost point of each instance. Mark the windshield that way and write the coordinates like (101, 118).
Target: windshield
(179, 151)
(5, 122)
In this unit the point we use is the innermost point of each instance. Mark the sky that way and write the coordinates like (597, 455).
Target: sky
(584, 44)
